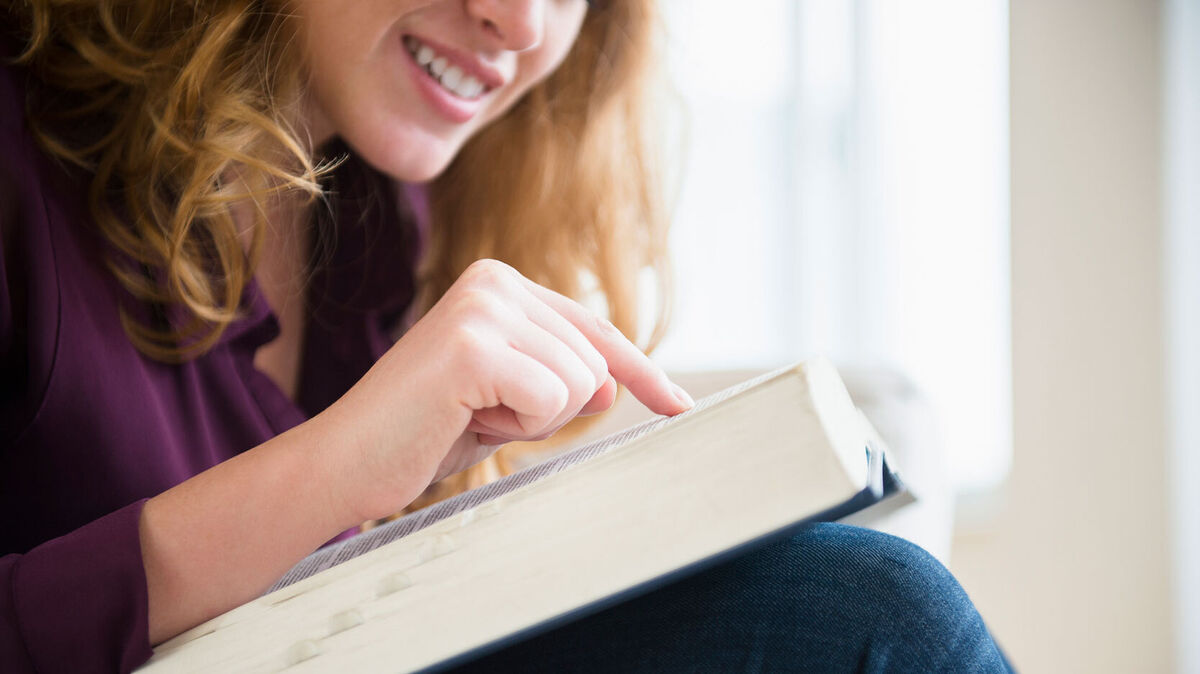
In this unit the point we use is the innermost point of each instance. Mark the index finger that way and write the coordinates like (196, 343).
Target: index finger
(626, 362)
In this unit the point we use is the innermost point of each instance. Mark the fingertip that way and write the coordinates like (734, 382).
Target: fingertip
(657, 392)
(602, 400)
(608, 390)
(682, 397)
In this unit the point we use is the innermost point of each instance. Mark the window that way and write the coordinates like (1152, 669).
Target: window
(845, 192)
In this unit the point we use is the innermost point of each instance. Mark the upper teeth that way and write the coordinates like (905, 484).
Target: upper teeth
(452, 78)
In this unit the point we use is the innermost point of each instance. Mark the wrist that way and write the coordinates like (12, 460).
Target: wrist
(363, 476)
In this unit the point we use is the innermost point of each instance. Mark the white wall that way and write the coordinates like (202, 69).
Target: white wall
(1182, 148)
(1072, 574)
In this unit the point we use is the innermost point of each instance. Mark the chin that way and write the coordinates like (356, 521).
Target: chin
(407, 157)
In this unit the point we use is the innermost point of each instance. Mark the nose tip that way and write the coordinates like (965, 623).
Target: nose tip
(516, 24)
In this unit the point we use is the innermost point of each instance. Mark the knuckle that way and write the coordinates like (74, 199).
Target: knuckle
(590, 381)
(557, 398)
(481, 303)
(488, 271)
(606, 328)
(483, 265)
(550, 402)
(470, 348)
(598, 366)
(580, 386)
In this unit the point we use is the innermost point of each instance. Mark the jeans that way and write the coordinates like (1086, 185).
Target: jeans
(832, 598)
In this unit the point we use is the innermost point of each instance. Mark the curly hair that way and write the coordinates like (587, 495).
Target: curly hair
(159, 102)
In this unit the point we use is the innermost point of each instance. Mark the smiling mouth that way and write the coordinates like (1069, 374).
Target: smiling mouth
(450, 77)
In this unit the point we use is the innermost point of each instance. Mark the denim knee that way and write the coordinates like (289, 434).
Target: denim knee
(831, 598)
(907, 610)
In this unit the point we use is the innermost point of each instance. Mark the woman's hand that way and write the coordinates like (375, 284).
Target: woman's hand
(498, 358)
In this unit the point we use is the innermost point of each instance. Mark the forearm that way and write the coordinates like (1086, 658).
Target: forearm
(497, 357)
(222, 537)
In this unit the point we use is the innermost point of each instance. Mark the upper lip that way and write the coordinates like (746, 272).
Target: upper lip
(470, 64)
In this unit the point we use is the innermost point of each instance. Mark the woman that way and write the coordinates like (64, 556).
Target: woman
(205, 259)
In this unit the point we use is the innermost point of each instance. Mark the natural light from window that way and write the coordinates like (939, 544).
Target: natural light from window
(844, 192)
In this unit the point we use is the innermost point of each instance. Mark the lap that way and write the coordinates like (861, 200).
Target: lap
(830, 598)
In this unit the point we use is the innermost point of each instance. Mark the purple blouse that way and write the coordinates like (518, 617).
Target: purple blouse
(89, 428)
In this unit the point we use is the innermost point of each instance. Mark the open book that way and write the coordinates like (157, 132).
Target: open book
(569, 536)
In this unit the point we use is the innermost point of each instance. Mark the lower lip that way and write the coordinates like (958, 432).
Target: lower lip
(453, 108)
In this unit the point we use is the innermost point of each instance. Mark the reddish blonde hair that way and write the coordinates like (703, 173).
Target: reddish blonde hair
(157, 100)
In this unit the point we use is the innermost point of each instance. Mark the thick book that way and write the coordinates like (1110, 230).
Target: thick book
(558, 540)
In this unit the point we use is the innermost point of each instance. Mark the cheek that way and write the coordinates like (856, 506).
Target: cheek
(561, 35)
(342, 38)
(537, 65)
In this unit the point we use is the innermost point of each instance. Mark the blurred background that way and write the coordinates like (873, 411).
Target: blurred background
(999, 199)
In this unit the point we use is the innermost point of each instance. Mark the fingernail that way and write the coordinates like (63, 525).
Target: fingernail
(683, 397)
